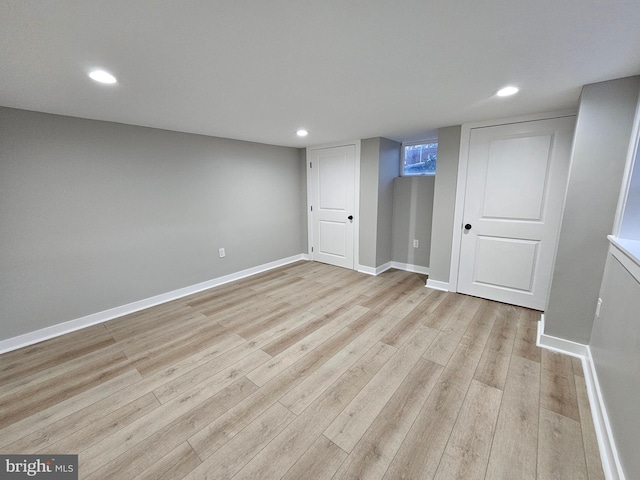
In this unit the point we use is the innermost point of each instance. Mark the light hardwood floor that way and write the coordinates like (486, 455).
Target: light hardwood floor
(305, 372)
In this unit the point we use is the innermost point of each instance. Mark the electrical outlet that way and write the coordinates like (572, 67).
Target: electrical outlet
(598, 307)
(415, 243)
(221, 252)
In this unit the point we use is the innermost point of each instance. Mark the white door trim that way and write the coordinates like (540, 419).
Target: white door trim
(356, 220)
(461, 185)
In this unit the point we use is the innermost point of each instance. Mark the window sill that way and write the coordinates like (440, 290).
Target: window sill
(629, 254)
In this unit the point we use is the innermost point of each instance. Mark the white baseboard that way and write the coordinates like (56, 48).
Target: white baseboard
(559, 344)
(608, 453)
(407, 267)
(366, 270)
(67, 327)
(438, 285)
(374, 270)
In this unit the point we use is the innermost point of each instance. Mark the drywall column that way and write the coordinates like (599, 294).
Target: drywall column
(379, 164)
(444, 204)
(369, 159)
(389, 167)
(601, 141)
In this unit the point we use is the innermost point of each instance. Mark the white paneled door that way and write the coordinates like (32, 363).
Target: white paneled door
(332, 174)
(515, 187)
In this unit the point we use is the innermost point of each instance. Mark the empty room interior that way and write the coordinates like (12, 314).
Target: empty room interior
(320, 240)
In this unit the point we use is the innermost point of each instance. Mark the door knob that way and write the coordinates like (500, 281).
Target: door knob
(350, 217)
(467, 226)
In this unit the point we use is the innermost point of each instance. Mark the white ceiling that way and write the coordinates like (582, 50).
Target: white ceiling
(344, 69)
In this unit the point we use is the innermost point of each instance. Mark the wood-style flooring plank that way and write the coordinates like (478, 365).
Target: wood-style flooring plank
(444, 345)
(301, 396)
(246, 313)
(178, 349)
(305, 371)
(560, 448)
(304, 328)
(104, 427)
(410, 322)
(288, 357)
(233, 456)
(558, 394)
(347, 429)
(443, 313)
(57, 371)
(127, 438)
(577, 366)
(32, 399)
(557, 363)
(515, 443)
(158, 317)
(467, 451)
(492, 369)
(146, 453)
(227, 364)
(422, 449)
(20, 365)
(591, 450)
(371, 457)
(526, 333)
(176, 464)
(320, 461)
(55, 416)
(221, 430)
(390, 295)
(285, 450)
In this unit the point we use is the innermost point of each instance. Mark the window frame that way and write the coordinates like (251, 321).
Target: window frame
(410, 144)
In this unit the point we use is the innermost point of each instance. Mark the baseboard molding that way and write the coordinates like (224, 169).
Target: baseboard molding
(374, 270)
(37, 336)
(608, 453)
(366, 270)
(559, 344)
(408, 267)
(438, 285)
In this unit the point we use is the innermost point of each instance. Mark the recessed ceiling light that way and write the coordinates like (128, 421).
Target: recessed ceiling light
(302, 133)
(102, 76)
(507, 91)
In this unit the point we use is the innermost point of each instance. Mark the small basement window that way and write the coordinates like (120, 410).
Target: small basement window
(419, 158)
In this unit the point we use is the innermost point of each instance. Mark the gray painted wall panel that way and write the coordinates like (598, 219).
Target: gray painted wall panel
(615, 348)
(369, 158)
(603, 132)
(444, 202)
(388, 170)
(412, 219)
(95, 215)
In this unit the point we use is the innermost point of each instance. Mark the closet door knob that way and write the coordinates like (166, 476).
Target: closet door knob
(467, 227)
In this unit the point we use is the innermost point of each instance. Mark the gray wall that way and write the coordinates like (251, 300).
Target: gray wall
(369, 159)
(601, 141)
(444, 202)
(412, 218)
(615, 348)
(379, 164)
(95, 215)
(389, 168)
